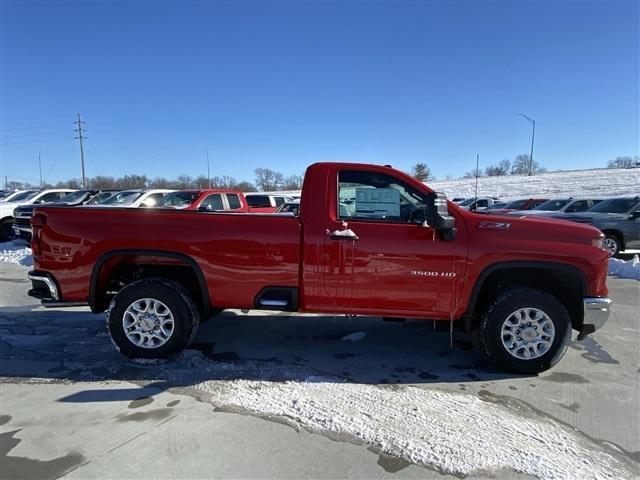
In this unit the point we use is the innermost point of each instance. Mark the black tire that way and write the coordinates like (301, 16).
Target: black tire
(614, 242)
(177, 300)
(6, 231)
(501, 309)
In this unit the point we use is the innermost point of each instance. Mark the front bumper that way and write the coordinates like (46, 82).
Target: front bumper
(596, 313)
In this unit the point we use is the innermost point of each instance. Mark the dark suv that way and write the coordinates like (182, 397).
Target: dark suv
(617, 218)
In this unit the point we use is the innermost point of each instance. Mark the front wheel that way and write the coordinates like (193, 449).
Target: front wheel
(611, 243)
(6, 231)
(152, 318)
(525, 330)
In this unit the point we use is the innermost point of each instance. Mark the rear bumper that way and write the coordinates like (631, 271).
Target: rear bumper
(596, 314)
(45, 289)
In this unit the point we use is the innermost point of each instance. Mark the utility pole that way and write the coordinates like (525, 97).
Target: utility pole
(475, 202)
(40, 167)
(81, 137)
(208, 171)
(533, 134)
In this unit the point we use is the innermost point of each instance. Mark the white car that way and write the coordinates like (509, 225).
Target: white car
(134, 198)
(27, 197)
(477, 204)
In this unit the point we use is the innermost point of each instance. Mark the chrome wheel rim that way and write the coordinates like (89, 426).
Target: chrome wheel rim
(528, 333)
(610, 245)
(148, 323)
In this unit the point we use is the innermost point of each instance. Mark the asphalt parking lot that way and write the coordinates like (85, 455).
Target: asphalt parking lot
(73, 407)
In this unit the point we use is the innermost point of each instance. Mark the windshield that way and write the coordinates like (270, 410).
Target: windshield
(99, 197)
(18, 197)
(615, 205)
(516, 204)
(73, 196)
(468, 201)
(552, 205)
(122, 198)
(178, 199)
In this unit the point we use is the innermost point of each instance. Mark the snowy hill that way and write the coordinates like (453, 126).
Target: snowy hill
(601, 182)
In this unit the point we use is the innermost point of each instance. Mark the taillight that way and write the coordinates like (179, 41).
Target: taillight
(38, 221)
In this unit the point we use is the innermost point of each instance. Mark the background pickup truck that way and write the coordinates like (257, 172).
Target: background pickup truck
(368, 240)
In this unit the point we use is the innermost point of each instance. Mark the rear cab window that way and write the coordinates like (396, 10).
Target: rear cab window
(234, 201)
(214, 201)
(259, 201)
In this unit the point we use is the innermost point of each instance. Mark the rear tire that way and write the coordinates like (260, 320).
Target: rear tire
(525, 331)
(6, 231)
(152, 318)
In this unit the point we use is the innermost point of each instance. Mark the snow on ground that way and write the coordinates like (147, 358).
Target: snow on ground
(17, 252)
(451, 432)
(622, 269)
(602, 182)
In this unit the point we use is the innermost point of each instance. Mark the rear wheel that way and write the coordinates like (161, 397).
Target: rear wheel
(525, 330)
(6, 231)
(152, 318)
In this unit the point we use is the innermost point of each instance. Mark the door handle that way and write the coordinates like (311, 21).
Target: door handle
(346, 234)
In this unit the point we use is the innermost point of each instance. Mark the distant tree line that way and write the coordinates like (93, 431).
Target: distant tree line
(624, 162)
(265, 180)
(520, 166)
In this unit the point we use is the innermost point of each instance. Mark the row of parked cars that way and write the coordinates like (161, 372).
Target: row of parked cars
(16, 207)
(618, 218)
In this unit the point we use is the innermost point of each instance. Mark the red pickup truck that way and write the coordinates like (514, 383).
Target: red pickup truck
(369, 240)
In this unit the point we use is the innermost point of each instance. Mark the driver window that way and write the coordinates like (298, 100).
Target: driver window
(376, 197)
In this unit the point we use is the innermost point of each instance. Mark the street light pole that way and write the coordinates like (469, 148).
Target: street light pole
(533, 135)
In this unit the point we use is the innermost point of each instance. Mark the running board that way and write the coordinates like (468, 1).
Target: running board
(277, 298)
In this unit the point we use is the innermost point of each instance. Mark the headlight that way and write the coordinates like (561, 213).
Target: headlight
(598, 242)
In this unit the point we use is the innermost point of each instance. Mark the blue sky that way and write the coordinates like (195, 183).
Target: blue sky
(284, 84)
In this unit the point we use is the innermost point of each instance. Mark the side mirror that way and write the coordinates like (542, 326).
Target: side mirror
(437, 216)
(205, 208)
(634, 215)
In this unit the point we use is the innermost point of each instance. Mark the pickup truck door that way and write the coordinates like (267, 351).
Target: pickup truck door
(376, 260)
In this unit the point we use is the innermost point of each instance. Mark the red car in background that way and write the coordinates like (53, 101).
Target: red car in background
(205, 200)
(522, 204)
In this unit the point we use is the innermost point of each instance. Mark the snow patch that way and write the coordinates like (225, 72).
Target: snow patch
(622, 269)
(354, 337)
(17, 252)
(455, 433)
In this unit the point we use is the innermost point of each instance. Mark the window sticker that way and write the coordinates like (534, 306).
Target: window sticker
(377, 202)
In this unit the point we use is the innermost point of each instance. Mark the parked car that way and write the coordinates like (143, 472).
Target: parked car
(22, 214)
(559, 205)
(458, 200)
(7, 193)
(134, 198)
(496, 206)
(400, 250)
(477, 204)
(101, 196)
(617, 218)
(205, 200)
(520, 205)
(27, 197)
(18, 195)
(264, 203)
(292, 207)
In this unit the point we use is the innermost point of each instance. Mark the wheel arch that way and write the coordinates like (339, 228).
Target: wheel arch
(96, 297)
(565, 282)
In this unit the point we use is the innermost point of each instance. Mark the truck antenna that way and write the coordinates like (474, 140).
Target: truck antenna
(475, 200)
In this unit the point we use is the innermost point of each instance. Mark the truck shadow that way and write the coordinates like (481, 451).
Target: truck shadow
(60, 346)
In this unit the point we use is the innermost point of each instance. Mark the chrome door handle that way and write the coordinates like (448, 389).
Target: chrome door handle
(346, 234)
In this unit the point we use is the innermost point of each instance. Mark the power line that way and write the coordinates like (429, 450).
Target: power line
(34, 134)
(37, 141)
(34, 128)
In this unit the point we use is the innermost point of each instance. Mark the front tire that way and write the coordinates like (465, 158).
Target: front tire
(152, 318)
(611, 243)
(6, 231)
(525, 330)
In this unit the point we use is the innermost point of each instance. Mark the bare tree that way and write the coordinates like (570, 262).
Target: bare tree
(244, 186)
(624, 162)
(522, 166)
(503, 168)
(473, 173)
(292, 182)
(267, 179)
(421, 172)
